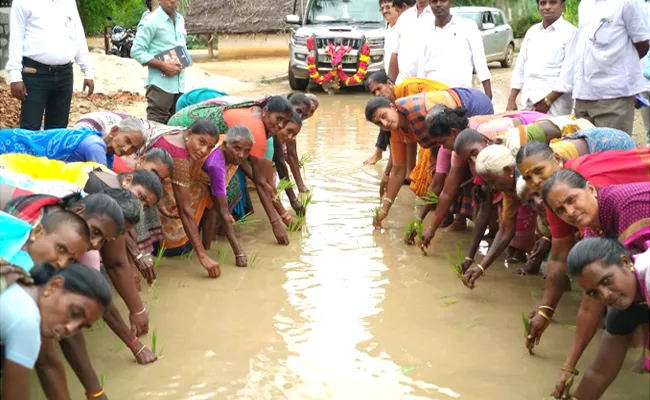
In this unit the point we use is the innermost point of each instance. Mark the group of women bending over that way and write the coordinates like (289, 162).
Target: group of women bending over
(550, 182)
(110, 192)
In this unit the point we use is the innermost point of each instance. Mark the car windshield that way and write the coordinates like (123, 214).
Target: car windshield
(328, 11)
(475, 16)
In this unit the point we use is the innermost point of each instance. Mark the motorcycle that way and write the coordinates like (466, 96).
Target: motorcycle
(122, 40)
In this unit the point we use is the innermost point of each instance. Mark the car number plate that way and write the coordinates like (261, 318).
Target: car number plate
(346, 59)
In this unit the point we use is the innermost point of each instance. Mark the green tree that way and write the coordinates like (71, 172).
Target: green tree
(93, 13)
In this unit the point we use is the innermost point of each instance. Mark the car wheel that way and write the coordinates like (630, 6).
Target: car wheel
(296, 83)
(510, 55)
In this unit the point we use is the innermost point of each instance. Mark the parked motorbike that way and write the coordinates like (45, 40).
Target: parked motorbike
(121, 39)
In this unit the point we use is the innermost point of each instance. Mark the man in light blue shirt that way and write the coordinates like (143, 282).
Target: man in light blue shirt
(159, 32)
(147, 11)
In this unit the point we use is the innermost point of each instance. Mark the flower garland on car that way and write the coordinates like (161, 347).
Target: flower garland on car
(336, 54)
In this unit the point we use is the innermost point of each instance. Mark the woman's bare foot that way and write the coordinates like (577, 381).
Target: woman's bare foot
(373, 159)
(449, 219)
(459, 224)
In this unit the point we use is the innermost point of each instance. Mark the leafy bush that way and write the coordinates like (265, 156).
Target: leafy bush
(197, 42)
(521, 26)
(93, 13)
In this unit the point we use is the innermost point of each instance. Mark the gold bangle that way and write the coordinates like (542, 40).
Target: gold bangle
(387, 200)
(95, 395)
(469, 259)
(481, 267)
(381, 210)
(543, 314)
(570, 369)
(141, 350)
(548, 308)
(547, 101)
(547, 239)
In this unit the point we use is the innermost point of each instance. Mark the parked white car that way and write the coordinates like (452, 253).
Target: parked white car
(498, 39)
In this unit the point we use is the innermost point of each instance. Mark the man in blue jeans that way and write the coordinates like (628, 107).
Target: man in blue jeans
(46, 37)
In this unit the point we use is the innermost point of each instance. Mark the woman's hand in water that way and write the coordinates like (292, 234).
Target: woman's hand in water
(297, 207)
(139, 323)
(211, 266)
(563, 386)
(142, 354)
(280, 232)
(471, 275)
(427, 236)
(241, 260)
(379, 218)
(303, 189)
(146, 267)
(538, 325)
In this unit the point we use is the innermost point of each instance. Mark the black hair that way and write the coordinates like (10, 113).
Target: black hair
(299, 99)
(563, 1)
(128, 202)
(295, 118)
(278, 104)
(387, 1)
(379, 77)
(101, 205)
(204, 126)
(159, 154)
(466, 137)
(57, 218)
(587, 251)
(78, 279)
(409, 3)
(375, 104)
(447, 119)
(567, 176)
(533, 149)
(146, 179)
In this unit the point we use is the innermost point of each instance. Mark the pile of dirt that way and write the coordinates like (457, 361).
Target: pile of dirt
(81, 104)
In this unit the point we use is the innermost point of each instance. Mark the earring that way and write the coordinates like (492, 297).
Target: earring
(46, 293)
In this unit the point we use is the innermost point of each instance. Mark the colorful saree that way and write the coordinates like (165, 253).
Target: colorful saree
(55, 144)
(624, 213)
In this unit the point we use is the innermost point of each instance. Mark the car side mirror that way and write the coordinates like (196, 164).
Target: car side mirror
(292, 20)
(487, 26)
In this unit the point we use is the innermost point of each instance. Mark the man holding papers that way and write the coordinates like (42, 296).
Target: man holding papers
(162, 32)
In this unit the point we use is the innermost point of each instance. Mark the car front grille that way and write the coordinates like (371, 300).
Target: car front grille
(321, 43)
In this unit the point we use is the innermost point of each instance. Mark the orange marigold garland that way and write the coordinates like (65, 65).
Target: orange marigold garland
(336, 54)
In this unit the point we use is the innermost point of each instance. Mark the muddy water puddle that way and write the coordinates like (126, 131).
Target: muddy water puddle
(344, 312)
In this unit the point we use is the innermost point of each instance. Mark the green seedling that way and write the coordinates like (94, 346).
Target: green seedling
(406, 370)
(526, 322)
(296, 224)
(101, 379)
(188, 256)
(430, 199)
(283, 185)
(253, 261)
(457, 264)
(306, 201)
(304, 160)
(242, 221)
(374, 213)
(416, 226)
(159, 256)
(449, 303)
(222, 257)
(569, 381)
(154, 340)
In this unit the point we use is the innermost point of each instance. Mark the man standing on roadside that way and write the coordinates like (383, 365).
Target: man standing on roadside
(45, 37)
(410, 30)
(539, 65)
(606, 74)
(391, 11)
(160, 32)
(453, 50)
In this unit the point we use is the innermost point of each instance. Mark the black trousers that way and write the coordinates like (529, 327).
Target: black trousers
(383, 138)
(49, 92)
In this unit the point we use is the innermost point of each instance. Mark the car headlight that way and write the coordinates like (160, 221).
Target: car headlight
(300, 40)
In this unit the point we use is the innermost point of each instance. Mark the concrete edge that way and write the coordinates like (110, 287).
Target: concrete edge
(275, 79)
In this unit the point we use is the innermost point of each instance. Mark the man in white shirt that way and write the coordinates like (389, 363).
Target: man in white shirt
(410, 30)
(453, 50)
(539, 65)
(391, 10)
(45, 37)
(606, 74)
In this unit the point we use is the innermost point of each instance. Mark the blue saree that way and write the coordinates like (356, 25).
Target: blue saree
(55, 144)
